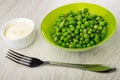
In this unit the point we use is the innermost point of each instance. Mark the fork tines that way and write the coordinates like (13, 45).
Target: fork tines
(18, 58)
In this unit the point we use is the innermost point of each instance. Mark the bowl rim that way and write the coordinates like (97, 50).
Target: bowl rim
(78, 49)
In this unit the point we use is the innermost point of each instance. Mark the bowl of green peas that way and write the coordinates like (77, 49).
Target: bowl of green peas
(78, 26)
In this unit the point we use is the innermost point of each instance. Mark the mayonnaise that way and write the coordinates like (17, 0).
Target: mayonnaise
(18, 30)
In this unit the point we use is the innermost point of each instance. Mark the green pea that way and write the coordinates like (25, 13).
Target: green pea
(55, 39)
(77, 36)
(85, 10)
(81, 38)
(53, 32)
(99, 27)
(89, 32)
(72, 34)
(86, 17)
(78, 26)
(68, 30)
(92, 43)
(105, 23)
(72, 22)
(62, 24)
(65, 33)
(98, 31)
(63, 44)
(83, 26)
(79, 22)
(95, 26)
(75, 40)
(84, 20)
(81, 34)
(88, 45)
(91, 23)
(59, 42)
(69, 36)
(80, 42)
(58, 34)
(79, 46)
(91, 16)
(86, 40)
(62, 15)
(66, 23)
(86, 35)
(69, 18)
(76, 31)
(79, 11)
(70, 12)
(84, 30)
(62, 38)
(96, 39)
(72, 45)
(92, 35)
(81, 30)
(83, 15)
(95, 22)
(98, 18)
(67, 44)
(102, 23)
(71, 26)
(103, 33)
(84, 46)
(66, 39)
(86, 24)
(79, 17)
(57, 29)
(63, 30)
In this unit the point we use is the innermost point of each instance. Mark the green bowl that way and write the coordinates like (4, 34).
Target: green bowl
(47, 23)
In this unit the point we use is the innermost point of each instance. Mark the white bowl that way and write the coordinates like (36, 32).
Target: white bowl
(22, 42)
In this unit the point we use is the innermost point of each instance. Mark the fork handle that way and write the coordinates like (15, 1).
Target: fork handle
(89, 67)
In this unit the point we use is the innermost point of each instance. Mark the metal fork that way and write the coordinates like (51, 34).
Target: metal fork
(34, 62)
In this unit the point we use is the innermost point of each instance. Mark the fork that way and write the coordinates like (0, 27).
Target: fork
(34, 62)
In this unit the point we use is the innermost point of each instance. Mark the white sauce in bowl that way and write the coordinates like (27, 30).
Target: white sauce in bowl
(17, 30)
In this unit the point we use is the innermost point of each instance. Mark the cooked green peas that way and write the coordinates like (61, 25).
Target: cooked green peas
(86, 35)
(75, 40)
(78, 26)
(59, 42)
(102, 23)
(103, 33)
(62, 38)
(79, 29)
(79, 23)
(76, 31)
(86, 40)
(81, 38)
(55, 39)
(99, 27)
(86, 24)
(85, 10)
(83, 26)
(66, 39)
(77, 36)
(92, 43)
(96, 39)
(72, 35)
(95, 26)
(79, 17)
(78, 46)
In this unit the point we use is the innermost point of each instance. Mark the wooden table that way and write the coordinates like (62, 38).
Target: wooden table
(108, 54)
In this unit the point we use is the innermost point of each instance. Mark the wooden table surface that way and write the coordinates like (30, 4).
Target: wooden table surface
(108, 54)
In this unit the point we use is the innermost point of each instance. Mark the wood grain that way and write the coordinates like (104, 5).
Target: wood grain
(108, 54)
